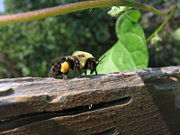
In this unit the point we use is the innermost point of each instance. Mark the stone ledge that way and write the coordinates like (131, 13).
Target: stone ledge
(133, 102)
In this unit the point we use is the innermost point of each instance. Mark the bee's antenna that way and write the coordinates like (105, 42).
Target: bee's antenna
(99, 61)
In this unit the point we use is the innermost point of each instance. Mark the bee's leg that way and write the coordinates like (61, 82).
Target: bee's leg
(91, 72)
(95, 71)
(85, 72)
(79, 71)
(56, 77)
(65, 76)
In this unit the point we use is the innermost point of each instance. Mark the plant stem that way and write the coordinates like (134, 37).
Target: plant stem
(162, 25)
(73, 7)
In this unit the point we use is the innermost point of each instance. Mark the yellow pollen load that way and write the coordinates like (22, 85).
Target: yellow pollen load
(64, 67)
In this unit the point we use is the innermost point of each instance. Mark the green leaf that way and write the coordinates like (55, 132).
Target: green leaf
(130, 51)
(178, 5)
(176, 36)
(128, 22)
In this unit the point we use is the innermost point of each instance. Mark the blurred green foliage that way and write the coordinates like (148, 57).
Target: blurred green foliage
(176, 36)
(165, 52)
(28, 49)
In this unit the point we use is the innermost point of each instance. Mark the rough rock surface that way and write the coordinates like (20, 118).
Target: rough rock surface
(130, 103)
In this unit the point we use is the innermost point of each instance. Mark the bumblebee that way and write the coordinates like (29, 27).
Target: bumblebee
(78, 61)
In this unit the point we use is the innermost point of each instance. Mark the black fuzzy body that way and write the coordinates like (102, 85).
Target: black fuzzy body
(55, 68)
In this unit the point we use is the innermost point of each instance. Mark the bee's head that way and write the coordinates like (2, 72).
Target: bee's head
(91, 64)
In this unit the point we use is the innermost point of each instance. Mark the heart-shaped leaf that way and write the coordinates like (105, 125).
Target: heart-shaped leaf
(130, 51)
